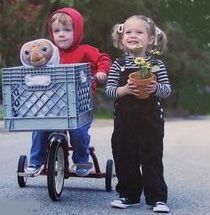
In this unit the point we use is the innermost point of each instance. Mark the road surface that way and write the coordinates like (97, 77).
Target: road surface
(187, 173)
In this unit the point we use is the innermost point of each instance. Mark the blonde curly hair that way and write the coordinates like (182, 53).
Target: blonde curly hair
(160, 38)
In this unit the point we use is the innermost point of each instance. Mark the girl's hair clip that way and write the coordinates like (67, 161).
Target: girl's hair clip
(149, 20)
(120, 28)
(157, 31)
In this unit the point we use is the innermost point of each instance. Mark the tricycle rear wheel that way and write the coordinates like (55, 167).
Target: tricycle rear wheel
(22, 165)
(109, 175)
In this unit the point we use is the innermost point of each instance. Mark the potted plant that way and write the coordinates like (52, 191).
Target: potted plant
(144, 75)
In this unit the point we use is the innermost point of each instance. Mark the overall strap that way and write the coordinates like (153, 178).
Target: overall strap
(124, 71)
(121, 62)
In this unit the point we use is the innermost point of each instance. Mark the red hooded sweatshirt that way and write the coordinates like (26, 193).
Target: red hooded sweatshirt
(78, 53)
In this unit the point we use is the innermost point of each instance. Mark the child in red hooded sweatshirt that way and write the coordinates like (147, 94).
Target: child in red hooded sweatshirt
(66, 30)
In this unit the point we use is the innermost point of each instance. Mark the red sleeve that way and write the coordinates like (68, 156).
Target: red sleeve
(100, 62)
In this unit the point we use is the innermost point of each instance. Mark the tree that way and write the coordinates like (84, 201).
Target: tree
(188, 64)
(192, 15)
(21, 21)
(100, 16)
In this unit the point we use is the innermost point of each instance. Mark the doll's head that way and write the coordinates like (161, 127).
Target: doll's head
(40, 52)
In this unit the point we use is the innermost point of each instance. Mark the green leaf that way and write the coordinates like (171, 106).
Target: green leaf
(155, 68)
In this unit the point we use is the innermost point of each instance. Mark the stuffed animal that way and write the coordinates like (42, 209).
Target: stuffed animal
(40, 52)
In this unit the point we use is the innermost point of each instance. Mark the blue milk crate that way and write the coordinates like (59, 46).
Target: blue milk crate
(47, 98)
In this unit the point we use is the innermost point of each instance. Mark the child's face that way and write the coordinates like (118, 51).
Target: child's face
(136, 38)
(63, 35)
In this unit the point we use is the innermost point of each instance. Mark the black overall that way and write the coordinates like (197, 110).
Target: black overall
(137, 146)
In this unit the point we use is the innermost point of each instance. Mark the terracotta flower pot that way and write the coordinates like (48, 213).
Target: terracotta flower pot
(141, 83)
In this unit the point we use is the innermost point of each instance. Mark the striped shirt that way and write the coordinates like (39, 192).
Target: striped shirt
(163, 88)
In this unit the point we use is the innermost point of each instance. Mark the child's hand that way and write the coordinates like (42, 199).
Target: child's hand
(127, 89)
(152, 87)
(134, 90)
(101, 77)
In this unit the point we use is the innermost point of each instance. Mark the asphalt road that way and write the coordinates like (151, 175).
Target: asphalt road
(187, 173)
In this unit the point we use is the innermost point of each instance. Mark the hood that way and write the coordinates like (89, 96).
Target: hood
(54, 59)
(78, 24)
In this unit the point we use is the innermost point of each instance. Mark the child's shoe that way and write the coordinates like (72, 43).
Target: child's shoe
(32, 170)
(83, 169)
(161, 207)
(124, 203)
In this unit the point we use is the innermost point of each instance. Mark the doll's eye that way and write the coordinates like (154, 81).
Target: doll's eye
(44, 49)
(27, 52)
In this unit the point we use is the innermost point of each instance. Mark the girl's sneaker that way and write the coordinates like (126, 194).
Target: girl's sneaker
(161, 207)
(124, 203)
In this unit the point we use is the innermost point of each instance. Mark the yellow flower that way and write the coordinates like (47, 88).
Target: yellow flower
(144, 67)
(155, 52)
(141, 62)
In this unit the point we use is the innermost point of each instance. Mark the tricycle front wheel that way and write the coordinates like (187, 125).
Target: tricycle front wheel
(56, 167)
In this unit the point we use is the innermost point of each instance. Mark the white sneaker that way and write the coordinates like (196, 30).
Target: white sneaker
(32, 170)
(83, 169)
(161, 207)
(124, 203)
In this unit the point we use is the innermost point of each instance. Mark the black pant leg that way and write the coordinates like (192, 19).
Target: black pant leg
(155, 188)
(127, 163)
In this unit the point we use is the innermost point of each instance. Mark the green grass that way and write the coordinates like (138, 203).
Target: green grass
(103, 114)
(194, 101)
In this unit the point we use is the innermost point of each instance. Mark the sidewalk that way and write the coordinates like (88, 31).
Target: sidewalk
(2, 126)
(186, 168)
